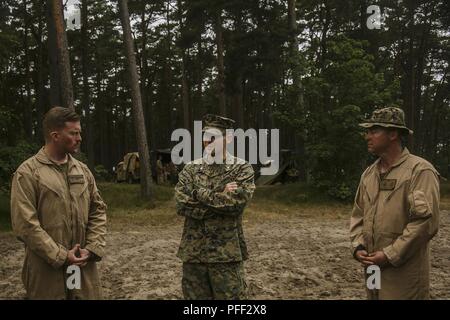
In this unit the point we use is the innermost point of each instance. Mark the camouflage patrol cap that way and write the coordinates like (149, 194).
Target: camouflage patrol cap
(217, 122)
(389, 117)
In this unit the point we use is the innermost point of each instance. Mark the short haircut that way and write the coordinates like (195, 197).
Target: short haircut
(402, 135)
(56, 118)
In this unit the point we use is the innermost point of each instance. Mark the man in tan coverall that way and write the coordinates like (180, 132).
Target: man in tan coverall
(57, 211)
(396, 211)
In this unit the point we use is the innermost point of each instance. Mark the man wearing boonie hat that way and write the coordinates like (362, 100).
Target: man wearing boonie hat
(396, 211)
(212, 195)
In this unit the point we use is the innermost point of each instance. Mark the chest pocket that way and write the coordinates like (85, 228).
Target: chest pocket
(79, 190)
(400, 190)
(52, 202)
(420, 207)
(395, 207)
(207, 178)
(77, 183)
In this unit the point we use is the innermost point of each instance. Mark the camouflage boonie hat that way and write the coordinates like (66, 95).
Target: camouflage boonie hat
(389, 117)
(217, 122)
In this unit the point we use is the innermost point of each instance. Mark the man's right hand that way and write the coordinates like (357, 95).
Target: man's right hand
(230, 187)
(361, 256)
(72, 258)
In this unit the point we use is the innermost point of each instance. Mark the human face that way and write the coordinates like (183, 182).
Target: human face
(212, 139)
(68, 139)
(379, 139)
(215, 142)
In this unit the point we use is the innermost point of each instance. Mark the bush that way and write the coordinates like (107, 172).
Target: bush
(80, 156)
(336, 152)
(101, 173)
(11, 158)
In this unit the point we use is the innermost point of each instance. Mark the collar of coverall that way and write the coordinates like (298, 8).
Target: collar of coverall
(208, 159)
(403, 157)
(43, 157)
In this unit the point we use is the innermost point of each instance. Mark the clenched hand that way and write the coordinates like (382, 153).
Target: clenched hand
(378, 258)
(230, 187)
(82, 260)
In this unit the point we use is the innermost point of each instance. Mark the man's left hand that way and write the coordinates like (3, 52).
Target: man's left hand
(378, 258)
(84, 253)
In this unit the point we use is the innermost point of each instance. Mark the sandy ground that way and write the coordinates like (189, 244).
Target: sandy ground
(296, 257)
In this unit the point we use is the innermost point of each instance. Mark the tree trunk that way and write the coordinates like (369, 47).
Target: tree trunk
(237, 103)
(146, 80)
(173, 113)
(408, 82)
(138, 114)
(419, 71)
(55, 84)
(199, 106)
(299, 140)
(184, 82)
(101, 120)
(27, 110)
(238, 106)
(41, 77)
(86, 99)
(220, 65)
(59, 47)
(408, 87)
(185, 97)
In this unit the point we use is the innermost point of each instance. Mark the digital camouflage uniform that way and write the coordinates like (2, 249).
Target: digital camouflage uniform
(213, 246)
(397, 212)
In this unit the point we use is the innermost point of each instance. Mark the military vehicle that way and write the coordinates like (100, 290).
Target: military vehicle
(128, 170)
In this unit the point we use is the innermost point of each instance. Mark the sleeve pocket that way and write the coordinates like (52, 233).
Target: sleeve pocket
(420, 208)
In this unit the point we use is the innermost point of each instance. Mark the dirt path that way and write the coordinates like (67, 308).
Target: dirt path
(296, 257)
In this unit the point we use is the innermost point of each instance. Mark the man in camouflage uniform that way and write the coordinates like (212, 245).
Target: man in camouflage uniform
(396, 211)
(212, 196)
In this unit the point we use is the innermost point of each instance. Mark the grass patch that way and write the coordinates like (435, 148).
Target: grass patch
(269, 202)
(125, 206)
(296, 199)
(292, 194)
(124, 195)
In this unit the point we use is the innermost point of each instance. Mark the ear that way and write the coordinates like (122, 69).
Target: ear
(53, 135)
(393, 135)
(229, 138)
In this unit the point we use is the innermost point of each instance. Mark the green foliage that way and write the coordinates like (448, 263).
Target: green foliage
(308, 79)
(11, 158)
(337, 98)
(101, 174)
(8, 122)
(80, 156)
(336, 151)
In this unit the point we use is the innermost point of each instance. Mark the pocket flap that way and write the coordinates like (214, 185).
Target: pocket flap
(420, 208)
